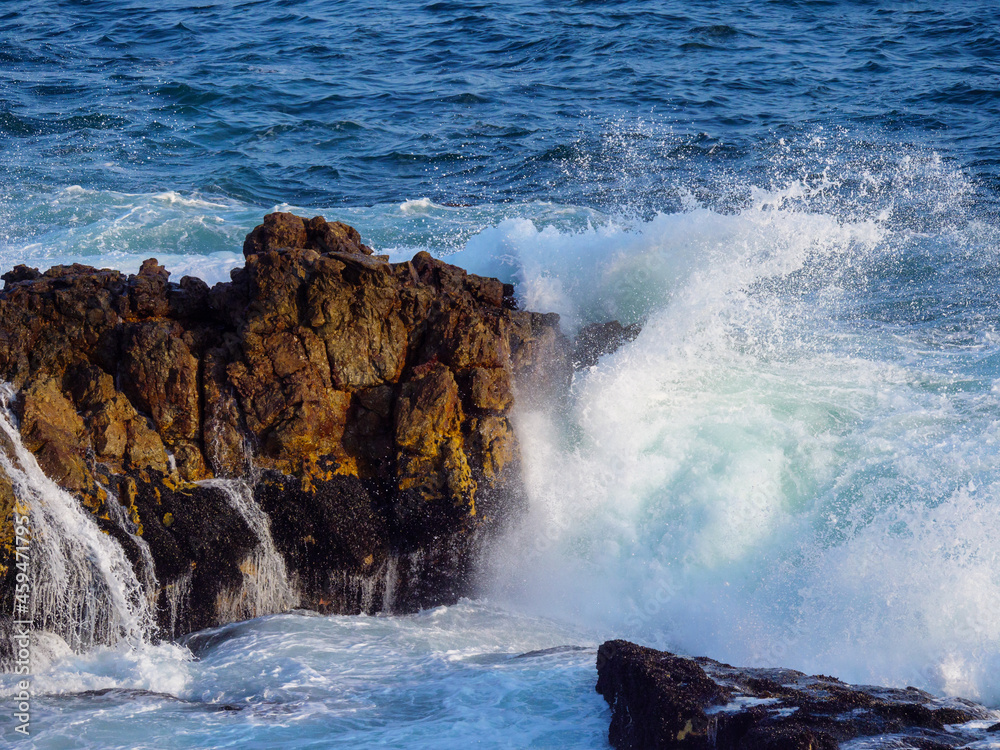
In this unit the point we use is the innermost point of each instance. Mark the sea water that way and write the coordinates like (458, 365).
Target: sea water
(794, 464)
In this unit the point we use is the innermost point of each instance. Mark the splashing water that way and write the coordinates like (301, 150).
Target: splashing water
(794, 463)
(265, 588)
(83, 587)
(146, 569)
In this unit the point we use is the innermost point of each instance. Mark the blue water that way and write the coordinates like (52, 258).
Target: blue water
(795, 464)
(588, 103)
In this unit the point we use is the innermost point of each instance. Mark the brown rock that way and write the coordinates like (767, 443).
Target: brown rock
(428, 410)
(160, 376)
(334, 237)
(428, 422)
(279, 230)
(494, 445)
(287, 231)
(7, 527)
(54, 432)
(314, 428)
(108, 423)
(148, 294)
(491, 389)
(366, 392)
(355, 311)
(144, 449)
(222, 435)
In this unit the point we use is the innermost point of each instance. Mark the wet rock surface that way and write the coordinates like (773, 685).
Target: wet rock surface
(597, 339)
(661, 700)
(366, 403)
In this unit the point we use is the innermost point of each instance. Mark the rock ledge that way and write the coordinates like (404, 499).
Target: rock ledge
(661, 700)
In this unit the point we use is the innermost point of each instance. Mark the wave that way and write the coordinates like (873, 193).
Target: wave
(794, 464)
(421, 681)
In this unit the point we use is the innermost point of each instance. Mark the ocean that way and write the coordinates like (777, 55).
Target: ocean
(794, 464)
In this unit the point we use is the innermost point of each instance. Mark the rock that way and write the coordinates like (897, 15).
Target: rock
(148, 291)
(541, 356)
(594, 341)
(428, 431)
(192, 532)
(660, 700)
(159, 375)
(334, 525)
(54, 432)
(7, 527)
(366, 402)
(287, 231)
(491, 389)
(20, 273)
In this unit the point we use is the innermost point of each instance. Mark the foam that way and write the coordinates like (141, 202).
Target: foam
(163, 668)
(763, 475)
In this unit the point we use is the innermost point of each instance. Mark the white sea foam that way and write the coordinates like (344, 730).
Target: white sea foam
(430, 680)
(763, 475)
(163, 668)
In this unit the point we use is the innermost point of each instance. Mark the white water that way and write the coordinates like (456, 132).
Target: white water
(203, 237)
(83, 587)
(265, 588)
(769, 474)
(147, 569)
(444, 678)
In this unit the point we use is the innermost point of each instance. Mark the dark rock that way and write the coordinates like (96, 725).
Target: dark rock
(20, 273)
(660, 700)
(366, 402)
(336, 525)
(192, 532)
(594, 341)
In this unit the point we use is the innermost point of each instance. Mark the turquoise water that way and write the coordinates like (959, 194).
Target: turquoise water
(795, 463)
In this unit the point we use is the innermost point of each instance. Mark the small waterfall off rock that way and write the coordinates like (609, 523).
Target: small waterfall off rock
(178, 596)
(265, 588)
(83, 587)
(146, 572)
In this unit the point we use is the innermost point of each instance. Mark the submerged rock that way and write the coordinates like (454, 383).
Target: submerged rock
(660, 700)
(366, 403)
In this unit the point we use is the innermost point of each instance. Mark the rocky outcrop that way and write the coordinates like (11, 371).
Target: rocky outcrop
(597, 339)
(367, 404)
(660, 700)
